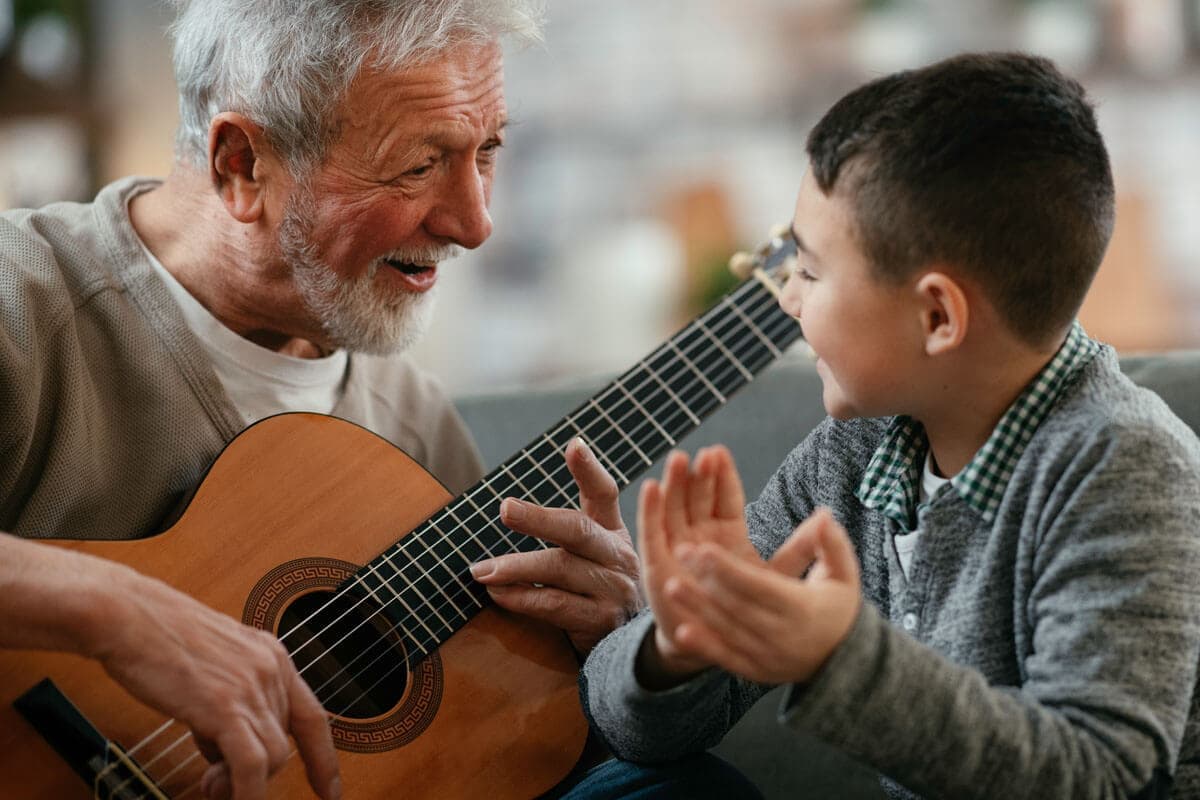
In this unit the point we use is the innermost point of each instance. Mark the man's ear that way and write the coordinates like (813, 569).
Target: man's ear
(945, 312)
(237, 152)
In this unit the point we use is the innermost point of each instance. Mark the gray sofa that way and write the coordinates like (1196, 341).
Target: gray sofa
(760, 425)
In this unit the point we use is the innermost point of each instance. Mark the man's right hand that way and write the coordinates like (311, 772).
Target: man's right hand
(234, 686)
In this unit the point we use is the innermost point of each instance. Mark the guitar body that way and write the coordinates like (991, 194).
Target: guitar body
(291, 508)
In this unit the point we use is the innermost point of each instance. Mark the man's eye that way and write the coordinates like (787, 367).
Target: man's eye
(419, 172)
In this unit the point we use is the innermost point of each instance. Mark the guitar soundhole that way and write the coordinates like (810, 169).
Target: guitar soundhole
(351, 657)
(381, 701)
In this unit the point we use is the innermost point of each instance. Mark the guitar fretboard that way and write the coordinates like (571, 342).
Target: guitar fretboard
(423, 583)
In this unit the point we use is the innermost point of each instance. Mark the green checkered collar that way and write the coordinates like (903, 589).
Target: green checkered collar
(890, 482)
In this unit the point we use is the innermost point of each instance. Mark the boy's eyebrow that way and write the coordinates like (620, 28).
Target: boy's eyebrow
(801, 246)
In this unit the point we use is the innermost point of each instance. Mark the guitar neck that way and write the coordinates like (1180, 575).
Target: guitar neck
(423, 582)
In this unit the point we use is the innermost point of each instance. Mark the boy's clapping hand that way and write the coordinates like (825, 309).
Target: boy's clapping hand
(716, 602)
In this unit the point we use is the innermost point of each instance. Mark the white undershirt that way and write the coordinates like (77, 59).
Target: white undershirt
(259, 382)
(927, 488)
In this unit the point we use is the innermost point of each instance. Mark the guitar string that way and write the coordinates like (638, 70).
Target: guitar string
(387, 674)
(754, 333)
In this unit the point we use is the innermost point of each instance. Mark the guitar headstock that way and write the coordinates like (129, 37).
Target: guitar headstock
(772, 262)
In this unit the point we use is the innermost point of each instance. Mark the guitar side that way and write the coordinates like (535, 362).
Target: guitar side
(498, 717)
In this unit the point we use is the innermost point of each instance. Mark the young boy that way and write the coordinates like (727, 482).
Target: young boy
(1026, 621)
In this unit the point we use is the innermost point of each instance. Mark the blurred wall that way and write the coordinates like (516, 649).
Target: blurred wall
(652, 137)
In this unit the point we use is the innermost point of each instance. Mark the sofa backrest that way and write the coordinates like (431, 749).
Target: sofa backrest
(764, 421)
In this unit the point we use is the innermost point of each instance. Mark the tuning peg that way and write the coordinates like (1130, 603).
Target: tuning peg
(742, 265)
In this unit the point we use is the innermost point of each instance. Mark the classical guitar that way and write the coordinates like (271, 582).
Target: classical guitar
(299, 528)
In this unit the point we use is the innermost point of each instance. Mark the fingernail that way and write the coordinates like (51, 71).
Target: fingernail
(482, 569)
(335, 788)
(583, 446)
(512, 509)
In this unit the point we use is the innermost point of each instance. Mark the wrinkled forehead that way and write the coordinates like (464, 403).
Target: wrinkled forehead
(451, 99)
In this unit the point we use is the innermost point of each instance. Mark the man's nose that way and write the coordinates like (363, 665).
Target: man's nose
(461, 214)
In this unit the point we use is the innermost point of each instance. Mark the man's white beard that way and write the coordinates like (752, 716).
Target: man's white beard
(353, 312)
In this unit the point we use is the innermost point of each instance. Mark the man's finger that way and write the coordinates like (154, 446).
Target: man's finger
(554, 567)
(246, 759)
(561, 609)
(598, 491)
(565, 527)
(309, 726)
(214, 784)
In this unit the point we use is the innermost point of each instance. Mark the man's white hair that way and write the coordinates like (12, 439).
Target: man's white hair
(287, 64)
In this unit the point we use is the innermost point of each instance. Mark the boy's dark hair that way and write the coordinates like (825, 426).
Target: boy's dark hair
(988, 162)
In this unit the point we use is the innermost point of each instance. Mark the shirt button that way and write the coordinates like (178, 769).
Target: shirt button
(909, 622)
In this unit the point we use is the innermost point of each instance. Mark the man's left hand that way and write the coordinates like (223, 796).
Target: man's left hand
(588, 585)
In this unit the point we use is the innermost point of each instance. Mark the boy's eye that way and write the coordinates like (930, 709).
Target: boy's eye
(805, 275)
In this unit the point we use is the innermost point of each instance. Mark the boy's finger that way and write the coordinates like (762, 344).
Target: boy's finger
(734, 579)
(701, 488)
(836, 552)
(726, 618)
(731, 498)
(674, 489)
(799, 551)
(699, 641)
(652, 540)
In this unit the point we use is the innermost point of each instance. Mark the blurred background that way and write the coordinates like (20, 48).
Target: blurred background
(651, 139)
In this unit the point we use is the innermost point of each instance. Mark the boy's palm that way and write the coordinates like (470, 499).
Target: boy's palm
(716, 601)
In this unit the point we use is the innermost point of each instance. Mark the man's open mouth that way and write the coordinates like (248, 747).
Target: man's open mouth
(407, 268)
(415, 277)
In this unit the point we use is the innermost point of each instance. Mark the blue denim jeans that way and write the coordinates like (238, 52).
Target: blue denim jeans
(699, 777)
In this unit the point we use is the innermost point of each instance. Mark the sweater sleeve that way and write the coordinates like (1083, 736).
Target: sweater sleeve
(1112, 612)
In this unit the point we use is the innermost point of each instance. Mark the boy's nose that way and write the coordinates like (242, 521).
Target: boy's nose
(789, 298)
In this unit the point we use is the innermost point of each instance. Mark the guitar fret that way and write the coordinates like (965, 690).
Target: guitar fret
(558, 489)
(621, 432)
(704, 378)
(490, 519)
(600, 453)
(754, 328)
(407, 607)
(516, 546)
(618, 429)
(431, 574)
(667, 388)
(358, 579)
(747, 374)
(454, 545)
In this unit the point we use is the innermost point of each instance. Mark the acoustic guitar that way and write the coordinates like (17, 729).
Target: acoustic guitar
(299, 528)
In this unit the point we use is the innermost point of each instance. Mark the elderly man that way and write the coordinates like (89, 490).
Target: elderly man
(331, 156)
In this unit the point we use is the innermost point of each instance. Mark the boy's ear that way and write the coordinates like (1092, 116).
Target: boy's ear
(238, 157)
(945, 312)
